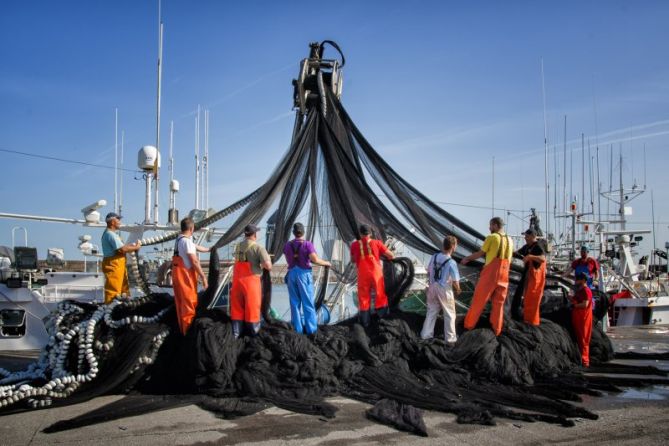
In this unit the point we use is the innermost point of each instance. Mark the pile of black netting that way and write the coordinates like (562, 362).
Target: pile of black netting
(528, 373)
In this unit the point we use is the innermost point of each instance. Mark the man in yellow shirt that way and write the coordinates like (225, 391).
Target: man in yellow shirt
(493, 281)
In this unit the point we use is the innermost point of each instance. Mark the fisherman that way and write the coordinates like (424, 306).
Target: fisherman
(493, 282)
(534, 273)
(586, 265)
(246, 291)
(300, 254)
(443, 279)
(366, 254)
(186, 269)
(113, 262)
(581, 316)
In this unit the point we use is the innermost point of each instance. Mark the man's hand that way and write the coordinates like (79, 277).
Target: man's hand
(464, 261)
(205, 285)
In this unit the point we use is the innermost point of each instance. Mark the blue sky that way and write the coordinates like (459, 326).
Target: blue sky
(438, 88)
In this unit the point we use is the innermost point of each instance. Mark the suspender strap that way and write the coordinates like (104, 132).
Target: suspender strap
(296, 249)
(369, 248)
(176, 245)
(239, 255)
(501, 245)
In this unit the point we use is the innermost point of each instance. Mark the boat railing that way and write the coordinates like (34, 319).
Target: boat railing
(58, 293)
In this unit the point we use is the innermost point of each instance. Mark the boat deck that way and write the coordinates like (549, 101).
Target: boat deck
(635, 417)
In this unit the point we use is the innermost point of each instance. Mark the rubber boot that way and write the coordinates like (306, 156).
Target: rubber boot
(363, 317)
(253, 328)
(237, 328)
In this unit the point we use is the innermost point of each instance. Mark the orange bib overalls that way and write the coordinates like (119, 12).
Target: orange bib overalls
(535, 280)
(245, 295)
(493, 284)
(184, 283)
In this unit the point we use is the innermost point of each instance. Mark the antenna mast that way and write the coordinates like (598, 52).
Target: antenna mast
(160, 78)
(547, 186)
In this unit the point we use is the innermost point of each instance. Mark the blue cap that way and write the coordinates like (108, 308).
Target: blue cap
(111, 216)
(585, 248)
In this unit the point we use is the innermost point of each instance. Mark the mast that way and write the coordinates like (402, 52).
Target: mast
(116, 159)
(197, 159)
(206, 160)
(160, 78)
(622, 192)
(120, 195)
(565, 202)
(171, 165)
(547, 186)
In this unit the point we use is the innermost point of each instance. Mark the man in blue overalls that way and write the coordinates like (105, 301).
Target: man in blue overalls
(300, 254)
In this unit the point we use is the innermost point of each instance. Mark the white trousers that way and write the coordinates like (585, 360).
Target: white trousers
(440, 298)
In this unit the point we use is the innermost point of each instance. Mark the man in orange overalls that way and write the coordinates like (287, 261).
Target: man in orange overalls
(113, 262)
(535, 277)
(246, 291)
(185, 271)
(581, 316)
(366, 254)
(493, 282)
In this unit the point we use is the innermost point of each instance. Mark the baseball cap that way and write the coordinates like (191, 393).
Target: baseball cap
(364, 230)
(298, 228)
(585, 248)
(581, 276)
(251, 229)
(111, 216)
(530, 232)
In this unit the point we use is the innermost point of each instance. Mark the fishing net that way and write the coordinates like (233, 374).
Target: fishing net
(132, 346)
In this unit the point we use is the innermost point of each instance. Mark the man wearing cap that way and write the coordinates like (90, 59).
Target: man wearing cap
(581, 317)
(185, 271)
(535, 277)
(246, 291)
(366, 254)
(493, 282)
(300, 254)
(113, 262)
(586, 265)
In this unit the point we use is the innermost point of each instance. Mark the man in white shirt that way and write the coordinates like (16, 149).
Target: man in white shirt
(185, 272)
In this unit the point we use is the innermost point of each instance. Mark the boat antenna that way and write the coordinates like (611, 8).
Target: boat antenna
(116, 159)
(206, 160)
(160, 78)
(197, 158)
(565, 204)
(547, 186)
(120, 195)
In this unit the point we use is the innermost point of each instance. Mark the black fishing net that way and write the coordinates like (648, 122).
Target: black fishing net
(527, 373)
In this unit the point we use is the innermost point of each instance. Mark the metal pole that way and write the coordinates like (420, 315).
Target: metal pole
(120, 195)
(547, 186)
(160, 78)
(622, 193)
(197, 160)
(116, 159)
(171, 166)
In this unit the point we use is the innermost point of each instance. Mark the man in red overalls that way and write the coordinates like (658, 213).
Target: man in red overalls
(493, 282)
(246, 291)
(366, 254)
(185, 271)
(581, 316)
